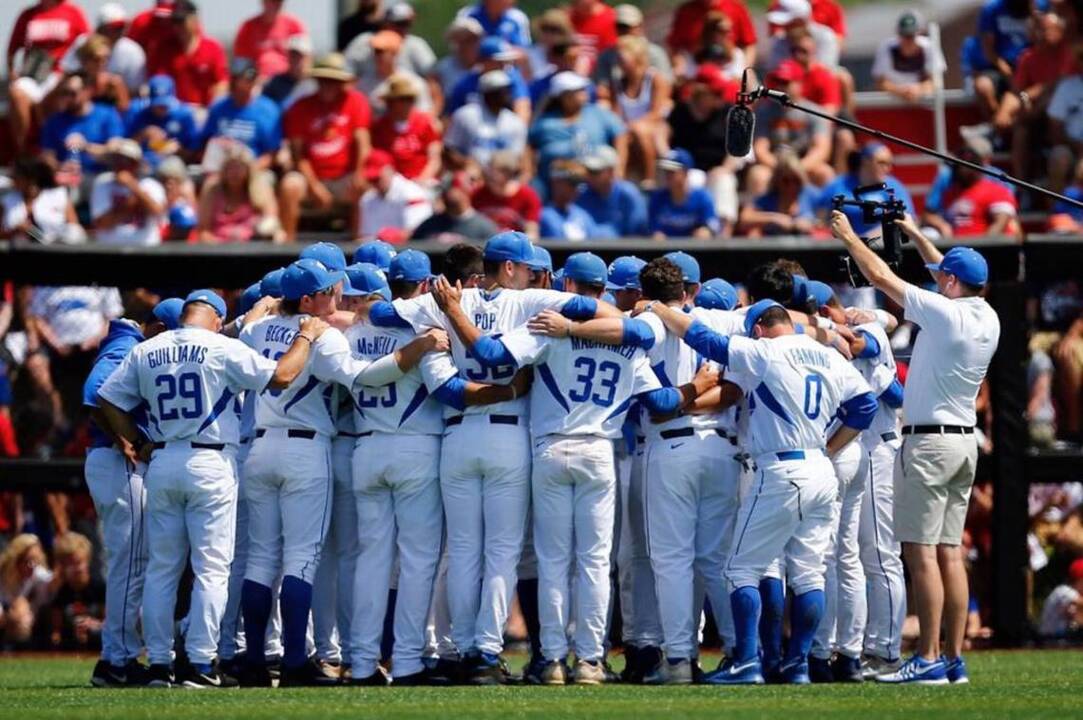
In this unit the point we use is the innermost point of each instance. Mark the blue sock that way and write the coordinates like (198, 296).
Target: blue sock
(745, 603)
(773, 596)
(256, 611)
(296, 601)
(805, 616)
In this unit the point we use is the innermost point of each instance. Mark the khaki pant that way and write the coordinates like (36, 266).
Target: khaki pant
(933, 479)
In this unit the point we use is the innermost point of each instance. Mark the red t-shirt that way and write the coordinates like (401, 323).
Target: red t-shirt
(596, 31)
(821, 86)
(265, 44)
(824, 12)
(327, 131)
(509, 213)
(971, 210)
(153, 27)
(1044, 66)
(195, 73)
(687, 30)
(52, 30)
(409, 144)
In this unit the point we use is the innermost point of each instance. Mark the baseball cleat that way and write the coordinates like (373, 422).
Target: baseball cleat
(532, 673)
(254, 676)
(918, 671)
(819, 670)
(311, 673)
(555, 672)
(422, 677)
(487, 669)
(107, 675)
(379, 678)
(588, 672)
(731, 672)
(956, 671)
(844, 669)
(160, 676)
(670, 672)
(443, 671)
(873, 665)
(611, 675)
(631, 672)
(795, 672)
(199, 676)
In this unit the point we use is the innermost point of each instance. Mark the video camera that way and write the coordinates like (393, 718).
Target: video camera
(886, 212)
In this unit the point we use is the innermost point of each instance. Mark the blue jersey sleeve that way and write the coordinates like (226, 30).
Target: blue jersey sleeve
(637, 333)
(893, 396)
(452, 393)
(580, 308)
(872, 345)
(662, 401)
(708, 343)
(383, 314)
(490, 352)
(858, 411)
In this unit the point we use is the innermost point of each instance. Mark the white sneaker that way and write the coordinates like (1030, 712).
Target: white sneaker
(588, 673)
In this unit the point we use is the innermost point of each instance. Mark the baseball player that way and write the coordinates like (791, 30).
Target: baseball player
(794, 388)
(288, 470)
(188, 377)
(375, 252)
(717, 294)
(541, 269)
(485, 458)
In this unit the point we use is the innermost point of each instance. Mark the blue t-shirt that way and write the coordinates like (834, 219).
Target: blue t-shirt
(1076, 193)
(554, 137)
(1009, 32)
(257, 124)
(674, 219)
(512, 26)
(539, 90)
(99, 126)
(846, 184)
(466, 90)
(178, 123)
(806, 207)
(623, 213)
(571, 223)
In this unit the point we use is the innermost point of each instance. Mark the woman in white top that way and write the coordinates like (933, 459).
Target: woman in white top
(37, 208)
(641, 97)
(717, 47)
(25, 587)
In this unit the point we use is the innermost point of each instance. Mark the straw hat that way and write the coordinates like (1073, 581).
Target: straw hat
(332, 66)
(399, 86)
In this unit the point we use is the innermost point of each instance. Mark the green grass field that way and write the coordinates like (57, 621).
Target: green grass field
(1042, 684)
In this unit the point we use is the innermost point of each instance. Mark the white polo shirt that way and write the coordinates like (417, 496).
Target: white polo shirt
(950, 359)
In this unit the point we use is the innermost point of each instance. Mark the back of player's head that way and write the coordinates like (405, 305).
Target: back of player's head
(662, 280)
(770, 282)
(462, 262)
(766, 314)
(791, 266)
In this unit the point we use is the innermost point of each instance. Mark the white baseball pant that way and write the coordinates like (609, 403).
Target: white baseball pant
(485, 483)
(191, 506)
(880, 552)
(119, 500)
(641, 625)
(438, 643)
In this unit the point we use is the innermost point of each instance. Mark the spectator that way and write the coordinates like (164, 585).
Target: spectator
(616, 206)
(494, 54)
(501, 19)
(75, 135)
(106, 88)
(263, 38)
(458, 220)
(595, 26)
(795, 19)
(127, 209)
(561, 218)
(552, 29)
(1041, 412)
(410, 135)
(164, 126)
(1066, 218)
(874, 168)
(153, 27)
(392, 200)
(37, 209)
(504, 199)
(41, 424)
(641, 98)
(561, 57)
(686, 32)
(1003, 29)
(286, 87)
(464, 41)
(1068, 388)
(905, 64)
(717, 48)
(42, 34)
(367, 18)
(479, 129)
(415, 54)
(1065, 117)
(571, 127)
(974, 204)
(819, 84)
(126, 58)
(74, 617)
(677, 209)
(372, 77)
(180, 199)
(787, 208)
(244, 117)
(238, 204)
(25, 588)
(629, 23)
(196, 62)
(824, 12)
(328, 134)
(1062, 612)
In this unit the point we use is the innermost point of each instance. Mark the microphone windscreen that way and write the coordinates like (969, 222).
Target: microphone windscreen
(740, 126)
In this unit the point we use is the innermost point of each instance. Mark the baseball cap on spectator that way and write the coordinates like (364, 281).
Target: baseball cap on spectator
(567, 81)
(400, 12)
(386, 40)
(300, 43)
(629, 16)
(333, 66)
(163, 8)
(789, 10)
(624, 273)
(689, 265)
(163, 92)
(112, 14)
(271, 284)
(494, 48)
(329, 254)
(909, 24)
(392, 235)
(566, 170)
(123, 148)
(717, 294)
(248, 300)
(586, 267)
(243, 67)
(376, 162)
(755, 312)
(367, 279)
(182, 9)
(375, 252)
(676, 159)
(509, 245)
(208, 297)
(542, 260)
(603, 157)
(398, 85)
(308, 277)
(788, 71)
(411, 266)
(493, 80)
(463, 26)
(172, 168)
(965, 263)
(168, 312)
(978, 146)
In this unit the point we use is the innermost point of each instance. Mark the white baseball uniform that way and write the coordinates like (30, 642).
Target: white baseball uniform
(189, 378)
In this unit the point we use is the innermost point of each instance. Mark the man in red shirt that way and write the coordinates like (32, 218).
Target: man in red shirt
(409, 135)
(328, 134)
(818, 84)
(196, 62)
(262, 39)
(687, 29)
(511, 204)
(595, 25)
(973, 203)
(151, 27)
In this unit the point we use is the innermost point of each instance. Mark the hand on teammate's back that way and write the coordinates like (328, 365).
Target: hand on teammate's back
(522, 381)
(706, 378)
(446, 294)
(313, 327)
(550, 323)
(436, 340)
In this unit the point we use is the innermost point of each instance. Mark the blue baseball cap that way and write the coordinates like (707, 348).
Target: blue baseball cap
(800, 289)
(368, 279)
(495, 48)
(210, 297)
(586, 267)
(509, 245)
(821, 292)
(411, 266)
(375, 252)
(755, 312)
(163, 92)
(308, 277)
(542, 259)
(624, 273)
(249, 298)
(965, 263)
(329, 254)
(168, 311)
(688, 265)
(676, 159)
(717, 294)
(271, 284)
(557, 282)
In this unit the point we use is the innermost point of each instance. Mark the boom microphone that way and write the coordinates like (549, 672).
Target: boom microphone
(741, 122)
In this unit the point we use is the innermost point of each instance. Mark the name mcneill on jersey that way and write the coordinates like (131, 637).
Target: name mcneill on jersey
(376, 347)
(177, 354)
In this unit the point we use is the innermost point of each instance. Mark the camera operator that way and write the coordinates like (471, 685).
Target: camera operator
(959, 333)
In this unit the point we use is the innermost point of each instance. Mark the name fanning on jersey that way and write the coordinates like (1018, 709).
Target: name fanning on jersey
(280, 334)
(177, 354)
(625, 351)
(808, 356)
(378, 346)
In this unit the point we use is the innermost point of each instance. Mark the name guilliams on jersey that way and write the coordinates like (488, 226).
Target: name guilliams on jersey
(176, 355)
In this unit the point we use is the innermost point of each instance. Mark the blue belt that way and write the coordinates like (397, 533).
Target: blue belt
(791, 455)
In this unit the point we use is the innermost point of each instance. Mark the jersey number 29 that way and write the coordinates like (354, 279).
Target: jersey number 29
(188, 388)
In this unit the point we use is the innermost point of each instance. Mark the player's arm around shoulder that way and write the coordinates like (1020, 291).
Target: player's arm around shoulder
(293, 361)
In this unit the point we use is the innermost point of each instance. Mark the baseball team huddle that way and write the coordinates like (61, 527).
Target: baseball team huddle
(369, 463)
